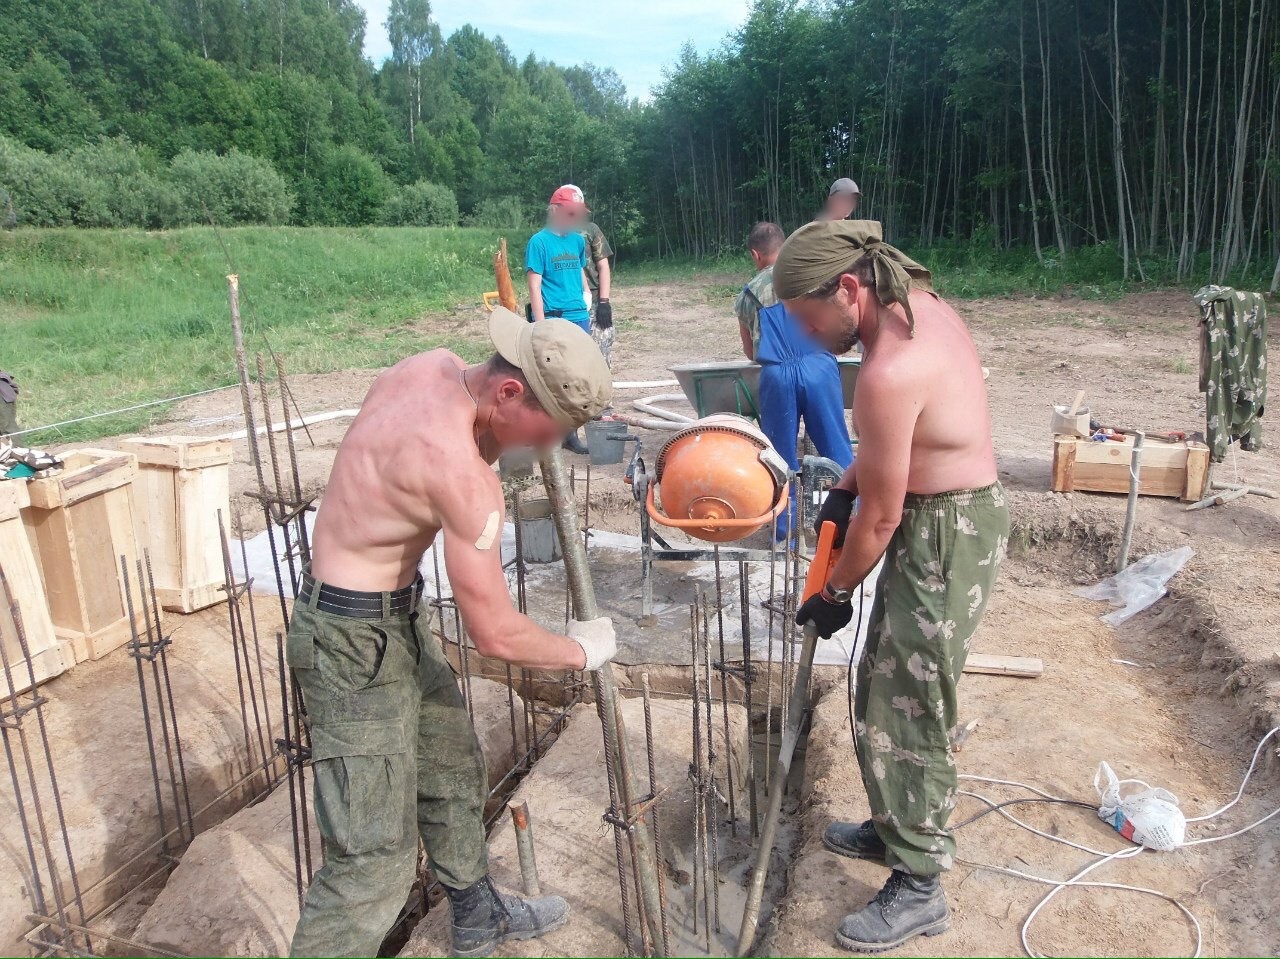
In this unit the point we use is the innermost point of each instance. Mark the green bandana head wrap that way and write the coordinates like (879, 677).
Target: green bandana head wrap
(819, 252)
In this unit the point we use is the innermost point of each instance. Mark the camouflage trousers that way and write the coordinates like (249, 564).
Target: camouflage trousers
(394, 756)
(938, 574)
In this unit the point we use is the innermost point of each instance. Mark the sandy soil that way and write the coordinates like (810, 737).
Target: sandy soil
(1188, 721)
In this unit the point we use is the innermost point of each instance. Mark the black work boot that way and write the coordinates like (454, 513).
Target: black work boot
(484, 917)
(855, 840)
(907, 906)
(575, 445)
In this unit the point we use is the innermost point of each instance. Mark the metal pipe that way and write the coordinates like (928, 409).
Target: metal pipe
(647, 423)
(564, 512)
(782, 769)
(1131, 509)
(524, 847)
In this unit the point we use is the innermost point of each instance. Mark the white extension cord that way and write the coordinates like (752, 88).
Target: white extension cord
(1105, 857)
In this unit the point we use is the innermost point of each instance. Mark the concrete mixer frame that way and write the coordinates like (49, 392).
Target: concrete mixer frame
(816, 473)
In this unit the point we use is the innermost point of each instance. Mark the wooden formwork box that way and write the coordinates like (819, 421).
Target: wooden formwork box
(49, 655)
(80, 522)
(1167, 469)
(183, 483)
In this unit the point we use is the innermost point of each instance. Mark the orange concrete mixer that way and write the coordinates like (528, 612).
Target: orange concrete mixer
(718, 479)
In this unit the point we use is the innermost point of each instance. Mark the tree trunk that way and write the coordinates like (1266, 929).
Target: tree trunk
(1026, 142)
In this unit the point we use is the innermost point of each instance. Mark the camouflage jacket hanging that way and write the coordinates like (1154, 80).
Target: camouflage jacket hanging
(1233, 367)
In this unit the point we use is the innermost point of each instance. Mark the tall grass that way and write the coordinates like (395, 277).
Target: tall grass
(97, 320)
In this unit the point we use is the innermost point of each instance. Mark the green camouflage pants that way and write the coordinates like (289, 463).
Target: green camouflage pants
(394, 756)
(938, 573)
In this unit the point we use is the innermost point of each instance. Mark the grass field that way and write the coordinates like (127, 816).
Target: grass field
(96, 320)
(99, 320)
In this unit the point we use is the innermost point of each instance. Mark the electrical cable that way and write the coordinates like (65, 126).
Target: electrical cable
(1103, 857)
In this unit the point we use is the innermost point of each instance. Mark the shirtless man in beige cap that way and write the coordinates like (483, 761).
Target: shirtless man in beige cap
(394, 754)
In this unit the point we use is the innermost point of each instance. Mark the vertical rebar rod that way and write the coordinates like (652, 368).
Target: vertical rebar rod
(251, 429)
(578, 574)
(524, 848)
(173, 712)
(287, 750)
(713, 796)
(695, 766)
(748, 680)
(286, 395)
(135, 648)
(17, 725)
(154, 644)
(237, 626)
(769, 634)
(657, 830)
(724, 692)
(786, 751)
(616, 812)
(706, 758)
(647, 938)
(253, 625)
(275, 511)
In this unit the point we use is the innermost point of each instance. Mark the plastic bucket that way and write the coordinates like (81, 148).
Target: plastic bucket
(538, 540)
(606, 439)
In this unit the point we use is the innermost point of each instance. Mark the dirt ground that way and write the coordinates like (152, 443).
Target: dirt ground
(1207, 686)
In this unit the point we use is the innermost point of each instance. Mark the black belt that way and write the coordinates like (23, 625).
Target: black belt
(358, 604)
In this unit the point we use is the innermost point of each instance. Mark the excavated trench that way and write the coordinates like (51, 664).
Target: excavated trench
(1163, 698)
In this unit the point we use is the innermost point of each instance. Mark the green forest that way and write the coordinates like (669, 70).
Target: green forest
(1140, 135)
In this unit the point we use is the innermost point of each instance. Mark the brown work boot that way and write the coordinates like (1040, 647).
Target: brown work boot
(484, 917)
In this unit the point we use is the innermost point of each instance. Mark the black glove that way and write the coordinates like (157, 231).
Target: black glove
(829, 618)
(836, 508)
(604, 314)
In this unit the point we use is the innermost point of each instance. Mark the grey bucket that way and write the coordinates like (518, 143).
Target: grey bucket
(606, 439)
(538, 540)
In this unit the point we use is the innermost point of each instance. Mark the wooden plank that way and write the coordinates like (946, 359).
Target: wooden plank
(177, 519)
(1022, 666)
(1155, 454)
(1197, 477)
(14, 498)
(48, 656)
(180, 452)
(85, 473)
(1064, 461)
(1153, 481)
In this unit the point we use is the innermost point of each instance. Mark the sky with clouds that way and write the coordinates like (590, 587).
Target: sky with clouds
(635, 37)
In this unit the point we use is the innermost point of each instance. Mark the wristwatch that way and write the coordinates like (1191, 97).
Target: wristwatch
(836, 596)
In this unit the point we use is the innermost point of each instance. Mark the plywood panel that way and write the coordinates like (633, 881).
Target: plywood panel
(183, 484)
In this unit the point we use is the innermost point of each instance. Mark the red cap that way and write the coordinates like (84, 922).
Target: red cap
(569, 195)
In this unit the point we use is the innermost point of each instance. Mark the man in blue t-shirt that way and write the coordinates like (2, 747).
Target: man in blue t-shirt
(555, 263)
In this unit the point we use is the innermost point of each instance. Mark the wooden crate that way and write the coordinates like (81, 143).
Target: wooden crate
(80, 523)
(1168, 469)
(182, 484)
(49, 655)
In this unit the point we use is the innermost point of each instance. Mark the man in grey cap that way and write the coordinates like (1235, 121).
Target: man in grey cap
(842, 200)
(394, 754)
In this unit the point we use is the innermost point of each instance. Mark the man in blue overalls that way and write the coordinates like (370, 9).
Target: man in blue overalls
(798, 378)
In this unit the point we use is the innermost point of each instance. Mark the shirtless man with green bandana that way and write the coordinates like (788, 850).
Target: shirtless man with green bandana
(928, 500)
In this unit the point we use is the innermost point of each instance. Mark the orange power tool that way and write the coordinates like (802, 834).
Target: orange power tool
(824, 558)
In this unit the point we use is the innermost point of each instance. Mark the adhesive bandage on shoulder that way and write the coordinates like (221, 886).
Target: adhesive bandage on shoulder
(490, 532)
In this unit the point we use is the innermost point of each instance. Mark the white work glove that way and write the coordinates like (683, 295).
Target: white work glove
(597, 639)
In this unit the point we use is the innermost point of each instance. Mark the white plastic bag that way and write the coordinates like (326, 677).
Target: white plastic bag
(1139, 586)
(1150, 818)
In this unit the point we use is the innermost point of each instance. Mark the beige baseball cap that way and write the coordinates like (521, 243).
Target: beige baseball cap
(564, 367)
